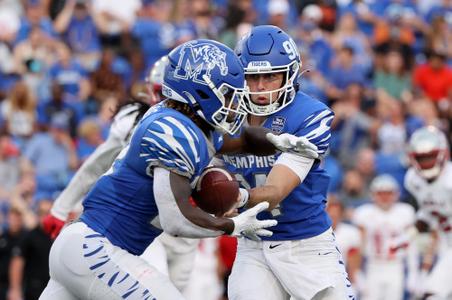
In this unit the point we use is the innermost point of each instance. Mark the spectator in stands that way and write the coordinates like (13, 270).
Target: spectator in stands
(23, 196)
(19, 111)
(155, 34)
(35, 17)
(29, 267)
(32, 58)
(104, 116)
(313, 41)
(354, 191)
(58, 105)
(347, 33)
(113, 17)
(393, 80)
(278, 11)
(36, 53)
(344, 71)
(433, 80)
(76, 24)
(9, 239)
(90, 136)
(352, 128)
(392, 133)
(104, 80)
(70, 75)
(53, 156)
(9, 166)
(440, 36)
(235, 15)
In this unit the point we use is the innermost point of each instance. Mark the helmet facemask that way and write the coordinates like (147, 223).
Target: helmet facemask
(285, 93)
(231, 115)
(428, 152)
(429, 164)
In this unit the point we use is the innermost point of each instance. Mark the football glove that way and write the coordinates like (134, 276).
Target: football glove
(294, 144)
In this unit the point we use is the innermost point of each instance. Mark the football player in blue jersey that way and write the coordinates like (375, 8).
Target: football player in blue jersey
(148, 185)
(300, 260)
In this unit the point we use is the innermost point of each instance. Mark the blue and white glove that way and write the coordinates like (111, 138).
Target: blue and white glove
(294, 144)
(246, 224)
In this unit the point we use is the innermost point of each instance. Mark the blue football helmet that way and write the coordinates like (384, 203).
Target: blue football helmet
(268, 49)
(208, 77)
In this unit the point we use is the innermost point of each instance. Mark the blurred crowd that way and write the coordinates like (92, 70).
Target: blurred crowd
(385, 67)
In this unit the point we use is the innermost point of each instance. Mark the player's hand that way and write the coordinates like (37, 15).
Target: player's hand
(52, 225)
(399, 243)
(294, 144)
(402, 241)
(247, 225)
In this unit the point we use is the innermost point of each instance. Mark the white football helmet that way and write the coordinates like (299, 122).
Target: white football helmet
(428, 150)
(385, 191)
(154, 81)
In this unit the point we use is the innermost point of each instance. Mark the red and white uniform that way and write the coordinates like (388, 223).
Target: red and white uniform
(348, 239)
(385, 269)
(435, 208)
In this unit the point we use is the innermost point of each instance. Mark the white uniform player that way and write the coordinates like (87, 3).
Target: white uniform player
(348, 239)
(429, 180)
(380, 222)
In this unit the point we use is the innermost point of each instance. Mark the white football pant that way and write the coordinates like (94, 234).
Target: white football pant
(173, 256)
(384, 280)
(439, 282)
(301, 270)
(85, 265)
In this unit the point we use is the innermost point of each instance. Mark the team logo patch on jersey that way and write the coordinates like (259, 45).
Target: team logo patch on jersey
(278, 124)
(199, 59)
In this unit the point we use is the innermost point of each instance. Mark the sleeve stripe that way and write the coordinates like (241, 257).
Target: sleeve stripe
(323, 128)
(325, 139)
(165, 151)
(318, 117)
(187, 134)
(169, 139)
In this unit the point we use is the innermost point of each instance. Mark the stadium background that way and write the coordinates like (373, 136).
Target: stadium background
(383, 66)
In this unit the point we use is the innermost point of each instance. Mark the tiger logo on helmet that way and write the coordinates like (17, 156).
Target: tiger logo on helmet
(200, 56)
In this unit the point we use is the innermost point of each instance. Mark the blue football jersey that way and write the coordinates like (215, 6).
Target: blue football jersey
(302, 214)
(121, 204)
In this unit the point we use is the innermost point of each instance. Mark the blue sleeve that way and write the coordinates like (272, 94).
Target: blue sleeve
(173, 145)
(317, 129)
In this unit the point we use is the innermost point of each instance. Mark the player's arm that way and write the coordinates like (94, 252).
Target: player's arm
(179, 217)
(288, 172)
(260, 141)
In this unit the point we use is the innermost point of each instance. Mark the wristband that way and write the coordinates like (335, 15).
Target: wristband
(244, 197)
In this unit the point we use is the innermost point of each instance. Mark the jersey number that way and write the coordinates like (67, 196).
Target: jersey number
(291, 48)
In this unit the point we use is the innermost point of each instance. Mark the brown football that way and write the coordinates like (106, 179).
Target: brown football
(216, 191)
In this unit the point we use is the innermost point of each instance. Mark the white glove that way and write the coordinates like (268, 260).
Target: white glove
(247, 225)
(294, 144)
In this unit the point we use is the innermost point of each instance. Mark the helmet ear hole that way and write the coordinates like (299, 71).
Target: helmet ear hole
(202, 94)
